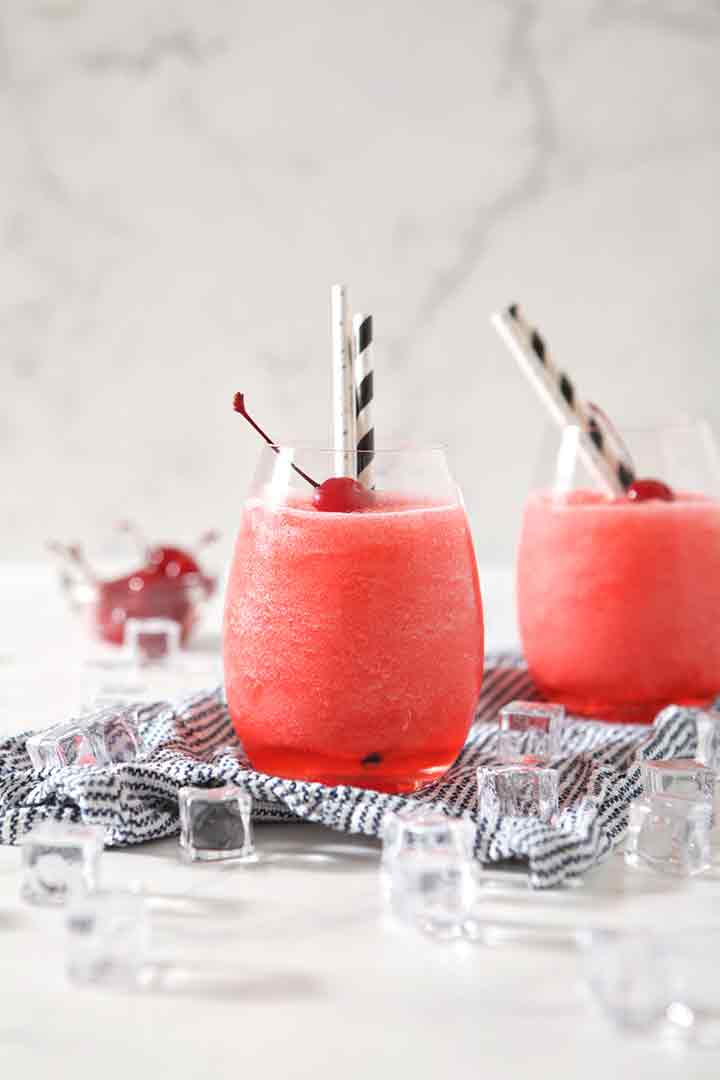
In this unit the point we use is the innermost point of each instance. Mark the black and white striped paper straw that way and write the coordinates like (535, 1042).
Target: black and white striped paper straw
(362, 342)
(613, 472)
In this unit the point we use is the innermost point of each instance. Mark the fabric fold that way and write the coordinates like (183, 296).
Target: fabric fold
(193, 743)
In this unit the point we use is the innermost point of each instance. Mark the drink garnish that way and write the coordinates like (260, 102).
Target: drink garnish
(342, 495)
(337, 494)
(239, 407)
(644, 490)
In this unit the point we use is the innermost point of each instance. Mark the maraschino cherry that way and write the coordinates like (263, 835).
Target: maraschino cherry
(166, 585)
(644, 490)
(337, 494)
(341, 495)
(167, 559)
(172, 561)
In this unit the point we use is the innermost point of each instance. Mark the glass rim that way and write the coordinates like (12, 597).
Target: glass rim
(647, 935)
(378, 451)
(691, 423)
(607, 502)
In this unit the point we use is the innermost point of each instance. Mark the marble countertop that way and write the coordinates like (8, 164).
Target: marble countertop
(183, 182)
(290, 968)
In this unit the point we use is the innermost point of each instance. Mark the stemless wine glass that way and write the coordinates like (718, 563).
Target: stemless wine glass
(619, 598)
(353, 642)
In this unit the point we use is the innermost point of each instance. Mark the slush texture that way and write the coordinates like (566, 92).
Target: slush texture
(618, 602)
(353, 643)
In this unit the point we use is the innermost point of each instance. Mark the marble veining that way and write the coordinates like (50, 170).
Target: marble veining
(181, 183)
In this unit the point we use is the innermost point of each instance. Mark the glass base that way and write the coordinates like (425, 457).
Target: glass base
(389, 774)
(618, 712)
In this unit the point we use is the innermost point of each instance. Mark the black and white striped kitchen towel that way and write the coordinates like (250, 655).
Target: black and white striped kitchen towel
(193, 743)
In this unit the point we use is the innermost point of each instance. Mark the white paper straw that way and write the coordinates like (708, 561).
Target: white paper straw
(602, 462)
(364, 392)
(344, 439)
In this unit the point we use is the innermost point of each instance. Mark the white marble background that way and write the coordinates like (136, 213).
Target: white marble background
(180, 182)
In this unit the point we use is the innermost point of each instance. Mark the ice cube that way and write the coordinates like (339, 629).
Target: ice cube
(428, 870)
(670, 834)
(115, 734)
(59, 860)
(517, 791)
(529, 732)
(658, 983)
(708, 737)
(630, 979)
(694, 1013)
(683, 777)
(62, 744)
(152, 641)
(215, 823)
(108, 937)
(96, 738)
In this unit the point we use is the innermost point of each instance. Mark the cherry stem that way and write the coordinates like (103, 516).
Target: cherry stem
(132, 530)
(239, 407)
(73, 553)
(210, 537)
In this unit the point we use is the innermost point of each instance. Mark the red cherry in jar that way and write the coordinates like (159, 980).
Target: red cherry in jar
(172, 561)
(141, 595)
(342, 495)
(646, 489)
